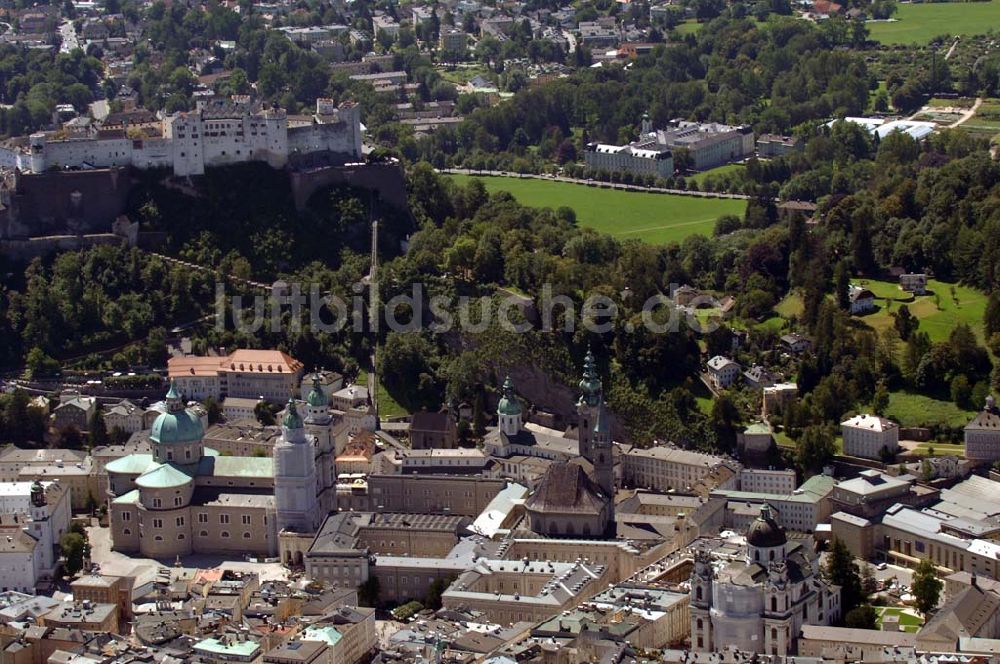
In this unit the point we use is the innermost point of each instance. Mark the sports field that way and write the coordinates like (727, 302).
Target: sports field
(653, 218)
(920, 23)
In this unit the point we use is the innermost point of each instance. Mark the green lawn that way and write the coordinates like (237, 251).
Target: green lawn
(781, 439)
(939, 449)
(387, 406)
(790, 305)
(914, 410)
(920, 23)
(688, 27)
(907, 620)
(938, 311)
(719, 170)
(963, 102)
(653, 218)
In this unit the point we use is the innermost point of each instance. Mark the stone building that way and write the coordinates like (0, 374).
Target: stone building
(982, 434)
(869, 436)
(249, 374)
(40, 510)
(184, 498)
(759, 604)
(216, 133)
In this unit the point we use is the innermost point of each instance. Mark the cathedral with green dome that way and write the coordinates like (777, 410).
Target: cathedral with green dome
(185, 498)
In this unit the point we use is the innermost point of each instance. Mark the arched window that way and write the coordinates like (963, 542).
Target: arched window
(180, 536)
(701, 624)
(126, 532)
(203, 533)
(770, 555)
(774, 604)
(225, 534)
(698, 593)
(158, 538)
(774, 633)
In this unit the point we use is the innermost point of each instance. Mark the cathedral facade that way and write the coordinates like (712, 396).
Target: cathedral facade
(569, 500)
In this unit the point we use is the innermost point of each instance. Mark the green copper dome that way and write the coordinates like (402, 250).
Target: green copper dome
(317, 398)
(178, 427)
(508, 405)
(178, 424)
(292, 419)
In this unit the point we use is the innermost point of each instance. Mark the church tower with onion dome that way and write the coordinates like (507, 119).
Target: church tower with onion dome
(595, 428)
(319, 425)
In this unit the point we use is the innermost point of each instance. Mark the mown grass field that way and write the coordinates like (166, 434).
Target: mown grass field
(939, 312)
(653, 218)
(914, 410)
(920, 23)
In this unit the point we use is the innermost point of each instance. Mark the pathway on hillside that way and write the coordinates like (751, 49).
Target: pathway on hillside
(201, 268)
(951, 50)
(595, 183)
(967, 115)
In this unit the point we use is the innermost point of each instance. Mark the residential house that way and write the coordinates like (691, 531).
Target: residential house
(795, 343)
(915, 283)
(723, 372)
(862, 300)
(758, 377)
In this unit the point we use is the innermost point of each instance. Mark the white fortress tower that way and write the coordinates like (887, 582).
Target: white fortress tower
(295, 476)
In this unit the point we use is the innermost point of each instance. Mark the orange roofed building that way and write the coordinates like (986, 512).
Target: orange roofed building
(248, 374)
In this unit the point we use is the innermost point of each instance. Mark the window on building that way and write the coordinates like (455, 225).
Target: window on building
(202, 517)
(225, 534)
(223, 518)
(126, 516)
(246, 535)
(246, 519)
(203, 533)
(157, 523)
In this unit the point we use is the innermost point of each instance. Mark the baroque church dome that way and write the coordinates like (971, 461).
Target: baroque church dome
(178, 424)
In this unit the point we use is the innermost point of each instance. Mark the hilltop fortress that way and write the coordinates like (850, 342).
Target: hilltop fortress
(76, 180)
(217, 133)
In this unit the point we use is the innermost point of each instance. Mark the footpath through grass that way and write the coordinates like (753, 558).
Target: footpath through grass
(653, 218)
(922, 22)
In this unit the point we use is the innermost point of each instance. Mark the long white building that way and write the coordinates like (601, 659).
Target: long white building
(217, 133)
